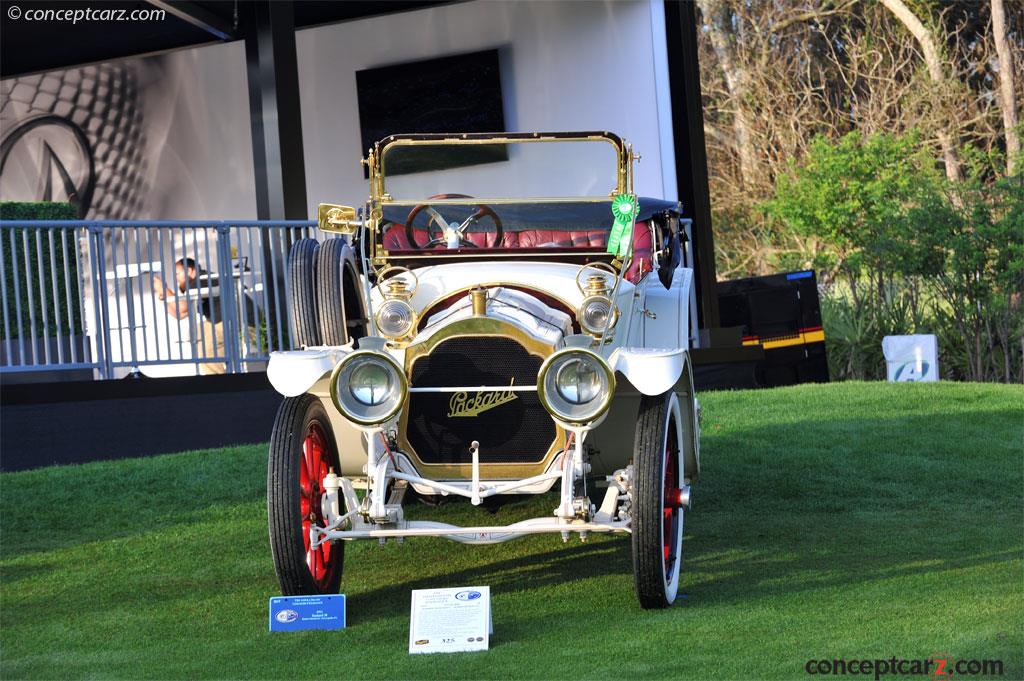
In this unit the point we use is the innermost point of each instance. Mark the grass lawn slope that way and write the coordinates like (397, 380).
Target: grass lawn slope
(848, 521)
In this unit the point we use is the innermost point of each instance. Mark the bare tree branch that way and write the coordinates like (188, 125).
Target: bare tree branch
(934, 65)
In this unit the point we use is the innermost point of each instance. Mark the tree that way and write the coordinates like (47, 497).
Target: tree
(755, 44)
(722, 33)
(983, 278)
(933, 62)
(1007, 90)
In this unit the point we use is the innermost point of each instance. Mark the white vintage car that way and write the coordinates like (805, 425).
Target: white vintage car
(528, 334)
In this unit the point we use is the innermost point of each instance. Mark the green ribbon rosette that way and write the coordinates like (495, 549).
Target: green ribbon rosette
(624, 209)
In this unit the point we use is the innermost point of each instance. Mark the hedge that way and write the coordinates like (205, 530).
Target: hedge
(26, 212)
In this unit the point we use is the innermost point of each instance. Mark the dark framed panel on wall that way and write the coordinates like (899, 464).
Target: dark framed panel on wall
(456, 93)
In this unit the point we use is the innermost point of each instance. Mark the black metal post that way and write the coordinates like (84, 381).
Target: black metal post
(691, 155)
(274, 107)
(273, 75)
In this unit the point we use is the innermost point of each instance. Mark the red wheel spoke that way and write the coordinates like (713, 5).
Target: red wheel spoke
(308, 458)
(313, 468)
(318, 566)
(670, 500)
(304, 476)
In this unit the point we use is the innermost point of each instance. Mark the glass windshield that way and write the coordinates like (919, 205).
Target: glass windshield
(513, 169)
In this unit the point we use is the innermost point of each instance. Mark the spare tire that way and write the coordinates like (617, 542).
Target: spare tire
(302, 312)
(339, 302)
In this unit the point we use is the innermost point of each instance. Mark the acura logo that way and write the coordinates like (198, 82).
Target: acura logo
(48, 158)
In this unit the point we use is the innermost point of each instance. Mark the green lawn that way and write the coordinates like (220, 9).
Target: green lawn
(837, 521)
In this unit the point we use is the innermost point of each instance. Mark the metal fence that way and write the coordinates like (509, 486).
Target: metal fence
(157, 298)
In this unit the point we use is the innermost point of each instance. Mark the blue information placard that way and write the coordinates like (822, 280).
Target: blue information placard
(299, 613)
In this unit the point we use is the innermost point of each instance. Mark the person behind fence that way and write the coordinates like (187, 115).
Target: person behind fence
(208, 336)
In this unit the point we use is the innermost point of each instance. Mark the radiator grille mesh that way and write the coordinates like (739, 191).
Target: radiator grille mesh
(517, 430)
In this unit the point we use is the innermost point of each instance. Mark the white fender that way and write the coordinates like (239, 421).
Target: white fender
(672, 310)
(295, 371)
(652, 371)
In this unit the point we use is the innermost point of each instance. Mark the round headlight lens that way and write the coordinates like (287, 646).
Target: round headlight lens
(368, 387)
(575, 386)
(594, 314)
(370, 383)
(578, 381)
(395, 318)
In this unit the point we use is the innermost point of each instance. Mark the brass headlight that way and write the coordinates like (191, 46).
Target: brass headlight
(575, 386)
(368, 387)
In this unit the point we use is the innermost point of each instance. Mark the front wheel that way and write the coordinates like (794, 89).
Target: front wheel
(657, 502)
(302, 452)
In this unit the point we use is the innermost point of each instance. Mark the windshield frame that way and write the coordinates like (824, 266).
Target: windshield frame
(379, 197)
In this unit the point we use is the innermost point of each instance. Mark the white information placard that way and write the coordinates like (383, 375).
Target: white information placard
(450, 620)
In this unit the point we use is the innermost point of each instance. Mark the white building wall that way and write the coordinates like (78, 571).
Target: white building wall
(201, 139)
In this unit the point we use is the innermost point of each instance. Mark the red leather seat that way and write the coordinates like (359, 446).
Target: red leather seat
(642, 253)
(550, 238)
(395, 239)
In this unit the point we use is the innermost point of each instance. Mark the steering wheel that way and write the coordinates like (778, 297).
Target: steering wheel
(443, 224)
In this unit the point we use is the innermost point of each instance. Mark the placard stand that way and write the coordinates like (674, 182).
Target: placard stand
(450, 620)
(299, 613)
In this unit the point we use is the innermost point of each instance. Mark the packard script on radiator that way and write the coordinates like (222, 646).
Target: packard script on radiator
(462, 404)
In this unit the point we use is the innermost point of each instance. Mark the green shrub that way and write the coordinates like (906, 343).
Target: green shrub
(38, 210)
(16, 276)
(913, 253)
(982, 283)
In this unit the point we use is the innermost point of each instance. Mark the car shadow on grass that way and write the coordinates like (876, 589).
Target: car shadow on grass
(524, 573)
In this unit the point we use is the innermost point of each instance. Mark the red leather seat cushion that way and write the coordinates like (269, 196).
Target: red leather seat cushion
(395, 239)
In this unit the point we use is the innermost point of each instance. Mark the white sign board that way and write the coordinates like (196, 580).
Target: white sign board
(450, 620)
(911, 358)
